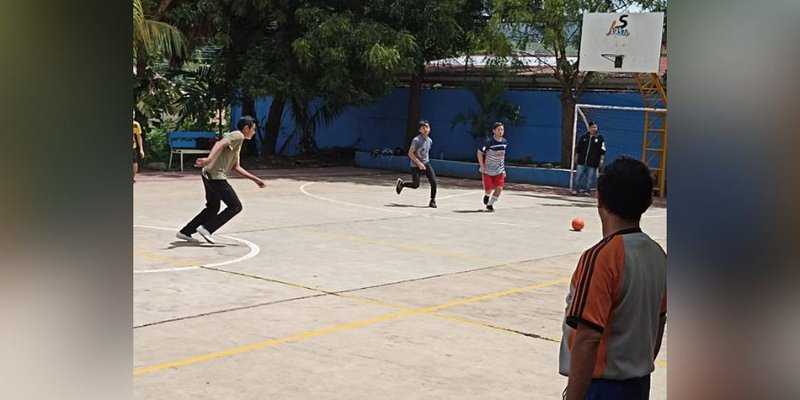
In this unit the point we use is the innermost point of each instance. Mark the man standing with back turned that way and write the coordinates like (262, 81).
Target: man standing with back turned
(223, 158)
(617, 301)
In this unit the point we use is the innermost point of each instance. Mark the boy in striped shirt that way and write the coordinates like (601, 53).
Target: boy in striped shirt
(492, 161)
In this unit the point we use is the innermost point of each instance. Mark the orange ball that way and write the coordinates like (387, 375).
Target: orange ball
(577, 223)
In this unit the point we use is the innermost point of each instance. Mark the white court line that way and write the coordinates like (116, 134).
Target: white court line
(254, 250)
(303, 189)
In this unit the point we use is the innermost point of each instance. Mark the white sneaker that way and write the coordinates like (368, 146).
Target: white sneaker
(188, 238)
(206, 234)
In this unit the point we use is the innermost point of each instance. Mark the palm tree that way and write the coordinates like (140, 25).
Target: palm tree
(153, 37)
(492, 108)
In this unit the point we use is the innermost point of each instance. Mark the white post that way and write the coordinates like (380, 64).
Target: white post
(572, 153)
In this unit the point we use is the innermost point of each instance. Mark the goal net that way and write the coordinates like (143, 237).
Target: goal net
(623, 129)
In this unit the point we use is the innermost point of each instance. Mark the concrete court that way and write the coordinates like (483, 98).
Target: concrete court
(330, 286)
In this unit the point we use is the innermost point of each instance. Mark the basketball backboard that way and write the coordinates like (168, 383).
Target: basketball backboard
(621, 42)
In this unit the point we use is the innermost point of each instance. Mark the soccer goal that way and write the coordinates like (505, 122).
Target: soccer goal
(626, 131)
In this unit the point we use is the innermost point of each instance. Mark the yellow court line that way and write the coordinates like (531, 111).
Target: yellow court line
(402, 246)
(173, 261)
(337, 328)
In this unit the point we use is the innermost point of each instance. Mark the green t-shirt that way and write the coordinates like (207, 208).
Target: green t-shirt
(227, 158)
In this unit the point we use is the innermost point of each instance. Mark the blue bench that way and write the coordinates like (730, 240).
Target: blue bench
(189, 143)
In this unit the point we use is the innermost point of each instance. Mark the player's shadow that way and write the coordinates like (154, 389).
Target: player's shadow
(404, 205)
(178, 244)
(575, 204)
(469, 211)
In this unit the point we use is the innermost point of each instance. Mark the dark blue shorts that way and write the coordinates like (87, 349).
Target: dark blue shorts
(609, 389)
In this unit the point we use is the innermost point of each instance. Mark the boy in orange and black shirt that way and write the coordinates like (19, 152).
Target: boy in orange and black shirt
(617, 304)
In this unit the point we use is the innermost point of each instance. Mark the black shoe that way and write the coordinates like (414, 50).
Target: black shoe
(432, 204)
(486, 199)
(489, 208)
(399, 187)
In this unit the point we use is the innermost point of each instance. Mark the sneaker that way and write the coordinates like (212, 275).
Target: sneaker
(587, 194)
(188, 238)
(399, 187)
(206, 234)
(432, 204)
(486, 199)
(489, 208)
(574, 193)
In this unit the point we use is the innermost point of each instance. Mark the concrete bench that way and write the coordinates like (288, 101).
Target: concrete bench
(189, 143)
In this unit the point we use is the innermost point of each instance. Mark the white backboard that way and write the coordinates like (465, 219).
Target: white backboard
(621, 42)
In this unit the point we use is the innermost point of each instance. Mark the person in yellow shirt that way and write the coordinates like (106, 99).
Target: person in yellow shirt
(138, 149)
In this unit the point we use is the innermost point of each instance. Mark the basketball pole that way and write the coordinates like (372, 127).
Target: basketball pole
(654, 143)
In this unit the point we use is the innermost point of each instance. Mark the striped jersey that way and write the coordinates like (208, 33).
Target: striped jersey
(619, 289)
(495, 151)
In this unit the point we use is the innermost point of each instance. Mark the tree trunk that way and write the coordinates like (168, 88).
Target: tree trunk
(249, 148)
(273, 126)
(414, 103)
(162, 9)
(568, 102)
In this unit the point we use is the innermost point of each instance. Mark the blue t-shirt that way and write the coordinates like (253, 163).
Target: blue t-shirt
(495, 151)
(422, 149)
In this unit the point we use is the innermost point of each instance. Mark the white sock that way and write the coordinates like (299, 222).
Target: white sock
(492, 200)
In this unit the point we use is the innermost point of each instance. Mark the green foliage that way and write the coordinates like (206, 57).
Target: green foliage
(155, 38)
(492, 107)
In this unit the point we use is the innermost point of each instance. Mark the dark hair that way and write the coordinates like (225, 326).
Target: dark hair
(423, 122)
(625, 188)
(592, 123)
(245, 121)
(496, 124)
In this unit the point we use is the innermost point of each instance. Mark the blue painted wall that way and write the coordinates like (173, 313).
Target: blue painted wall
(469, 170)
(382, 124)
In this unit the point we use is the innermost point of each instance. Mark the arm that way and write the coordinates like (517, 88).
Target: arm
(218, 146)
(413, 157)
(662, 322)
(139, 144)
(581, 361)
(481, 161)
(244, 173)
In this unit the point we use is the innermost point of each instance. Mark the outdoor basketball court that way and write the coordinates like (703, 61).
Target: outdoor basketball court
(330, 286)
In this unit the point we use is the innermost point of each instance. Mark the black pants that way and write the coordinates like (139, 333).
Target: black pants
(415, 172)
(217, 190)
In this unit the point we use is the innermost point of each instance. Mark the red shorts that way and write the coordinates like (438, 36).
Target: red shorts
(491, 182)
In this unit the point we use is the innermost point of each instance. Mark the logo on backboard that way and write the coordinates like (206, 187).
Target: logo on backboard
(619, 29)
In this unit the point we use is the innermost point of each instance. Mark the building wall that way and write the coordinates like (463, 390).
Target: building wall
(382, 124)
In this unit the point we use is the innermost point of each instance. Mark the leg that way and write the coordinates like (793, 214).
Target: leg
(135, 164)
(211, 210)
(488, 187)
(232, 205)
(498, 182)
(414, 178)
(431, 175)
(580, 177)
(591, 179)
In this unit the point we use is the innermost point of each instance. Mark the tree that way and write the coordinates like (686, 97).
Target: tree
(492, 108)
(441, 29)
(328, 53)
(554, 26)
(151, 37)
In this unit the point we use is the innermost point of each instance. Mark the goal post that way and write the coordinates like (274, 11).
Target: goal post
(621, 127)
